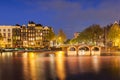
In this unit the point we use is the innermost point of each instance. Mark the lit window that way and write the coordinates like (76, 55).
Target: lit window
(4, 29)
(41, 34)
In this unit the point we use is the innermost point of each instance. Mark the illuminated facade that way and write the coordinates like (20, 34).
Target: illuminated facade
(7, 33)
(30, 36)
(16, 37)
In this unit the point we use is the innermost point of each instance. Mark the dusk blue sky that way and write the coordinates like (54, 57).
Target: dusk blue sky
(69, 15)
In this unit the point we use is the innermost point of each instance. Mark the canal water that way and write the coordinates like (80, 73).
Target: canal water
(38, 66)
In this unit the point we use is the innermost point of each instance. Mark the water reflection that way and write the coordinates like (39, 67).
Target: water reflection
(41, 68)
(96, 64)
(72, 64)
(115, 63)
(36, 66)
(85, 64)
(60, 68)
(52, 68)
(29, 66)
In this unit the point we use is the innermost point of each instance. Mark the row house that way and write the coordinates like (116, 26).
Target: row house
(33, 35)
(7, 35)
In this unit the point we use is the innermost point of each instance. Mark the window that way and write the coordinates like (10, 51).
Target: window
(38, 30)
(9, 40)
(4, 29)
(8, 34)
(8, 30)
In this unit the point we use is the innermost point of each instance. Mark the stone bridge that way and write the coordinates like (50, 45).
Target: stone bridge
(81, 50)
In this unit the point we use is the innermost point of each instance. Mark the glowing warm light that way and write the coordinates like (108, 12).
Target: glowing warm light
(59, 38)
(31, 55)
(81, 52)
(31, 67)
(25, 55)
(60, 54)
(41, 34)
(60, 67)
(9, 54)
(117, 42)
(2, 43)
(25, 44)
(32, 43)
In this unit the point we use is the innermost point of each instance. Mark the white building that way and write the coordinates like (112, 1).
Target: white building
(6, 32)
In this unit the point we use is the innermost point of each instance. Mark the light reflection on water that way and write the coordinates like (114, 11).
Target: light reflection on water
(96, 63)
(60, 68)
(36, 66)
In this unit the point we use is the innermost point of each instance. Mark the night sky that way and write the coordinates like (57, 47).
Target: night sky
(69, 15)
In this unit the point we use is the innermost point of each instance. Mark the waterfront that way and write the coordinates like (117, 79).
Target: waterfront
(44, 66)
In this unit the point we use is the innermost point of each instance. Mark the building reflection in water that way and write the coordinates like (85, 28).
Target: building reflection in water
(32, 62)
(60, 66)
(41, 63)
(35, 66)
(6, 57)
(52, 68)
(6, 66)
(25, 65)
(89, 64)
(29, 66)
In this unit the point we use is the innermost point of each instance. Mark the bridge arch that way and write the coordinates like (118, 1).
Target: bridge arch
(95, 50)
(83, 50)
(72, 48)
(72, 51)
